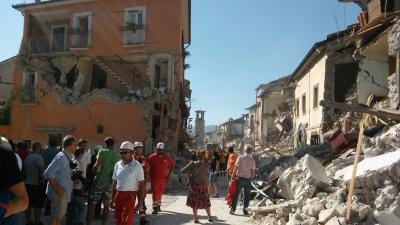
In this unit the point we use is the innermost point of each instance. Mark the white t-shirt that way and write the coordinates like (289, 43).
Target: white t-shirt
(128, 176)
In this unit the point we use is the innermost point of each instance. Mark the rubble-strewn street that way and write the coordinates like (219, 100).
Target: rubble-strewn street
(287, 113)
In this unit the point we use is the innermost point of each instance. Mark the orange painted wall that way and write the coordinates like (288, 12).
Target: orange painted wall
(122, 121)
(163, 24)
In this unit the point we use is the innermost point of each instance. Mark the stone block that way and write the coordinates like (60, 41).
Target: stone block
(336, 221)
(327, 214)
(301, 180)
(388, 217)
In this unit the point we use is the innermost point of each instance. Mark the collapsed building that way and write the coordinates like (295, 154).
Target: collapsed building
(329, 72)
(95, 68)
(271, 117)
(231, 132)
(354, 121)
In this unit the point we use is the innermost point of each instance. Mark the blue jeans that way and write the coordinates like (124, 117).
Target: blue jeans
(76, 209)
(242, 183)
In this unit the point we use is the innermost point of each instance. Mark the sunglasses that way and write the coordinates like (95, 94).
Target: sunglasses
(123, 153)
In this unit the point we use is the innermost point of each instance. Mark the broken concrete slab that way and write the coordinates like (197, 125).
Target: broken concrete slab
(390, 216)
(379, 162)
(327, 214)
(301, 180)
(336, 221)
(314, 206)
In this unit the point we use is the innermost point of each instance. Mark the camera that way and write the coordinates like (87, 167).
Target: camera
(77, 176)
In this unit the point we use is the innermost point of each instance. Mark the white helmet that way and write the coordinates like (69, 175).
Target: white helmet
(127, 145)
(4, 144)
(160, 145)
(138, 144)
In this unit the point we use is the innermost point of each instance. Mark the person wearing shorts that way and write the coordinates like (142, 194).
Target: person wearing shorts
(213, 169)
(100, 190)
(60, 185)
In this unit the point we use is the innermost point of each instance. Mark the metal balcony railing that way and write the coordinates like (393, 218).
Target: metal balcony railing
(38, 45)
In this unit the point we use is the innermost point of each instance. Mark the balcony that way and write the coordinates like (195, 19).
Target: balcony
(38, 45)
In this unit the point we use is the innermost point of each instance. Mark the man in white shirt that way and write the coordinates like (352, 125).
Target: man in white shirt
(128, 183)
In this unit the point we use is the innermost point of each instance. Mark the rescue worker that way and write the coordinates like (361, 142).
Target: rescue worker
(161, 166)
(127, 185)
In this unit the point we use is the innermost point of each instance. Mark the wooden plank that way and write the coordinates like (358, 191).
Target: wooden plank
(355, 164)
(383, 114)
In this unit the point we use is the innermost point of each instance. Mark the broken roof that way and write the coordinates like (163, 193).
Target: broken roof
(317, 51)
(273, 86)
(252, 107)
(238, 120)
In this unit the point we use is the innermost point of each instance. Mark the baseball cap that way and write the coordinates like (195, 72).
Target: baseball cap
(160, 145)
(127, 145)
(138, 144)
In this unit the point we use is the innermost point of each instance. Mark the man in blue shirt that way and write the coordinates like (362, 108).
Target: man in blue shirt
(59, 173)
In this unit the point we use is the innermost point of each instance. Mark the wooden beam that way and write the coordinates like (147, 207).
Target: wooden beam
(355, 164)
(381, 113)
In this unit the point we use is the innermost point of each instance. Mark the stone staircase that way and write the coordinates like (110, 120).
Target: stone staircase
(111, 73)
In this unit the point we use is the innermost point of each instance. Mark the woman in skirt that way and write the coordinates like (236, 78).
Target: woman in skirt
(198, 196)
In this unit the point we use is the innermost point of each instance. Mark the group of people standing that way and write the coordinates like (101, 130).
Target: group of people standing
(70, 176)
(203, 172)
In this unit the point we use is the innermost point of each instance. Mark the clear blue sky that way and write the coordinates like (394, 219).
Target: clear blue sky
(236, 45)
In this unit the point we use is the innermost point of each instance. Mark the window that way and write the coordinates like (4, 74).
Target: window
(303, 104)
(80, 31)
(29, 80)
(134, 27)
(58, 40)
(315, 98)
(297, 112)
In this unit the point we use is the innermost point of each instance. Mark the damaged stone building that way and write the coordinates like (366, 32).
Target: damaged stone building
(354, 179)
(94, 68)
(231, 132)
(328, 71)
(271, 101)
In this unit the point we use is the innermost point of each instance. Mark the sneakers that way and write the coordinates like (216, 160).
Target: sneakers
(245, 212)
(232, 212)
(216, 195)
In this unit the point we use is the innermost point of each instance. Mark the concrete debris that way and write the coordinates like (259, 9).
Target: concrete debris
(317, 195)
(310, 172)
(384, 142)
(374, 166)
(389, 216)
(336, 221)
(327, 214)
(103, 93)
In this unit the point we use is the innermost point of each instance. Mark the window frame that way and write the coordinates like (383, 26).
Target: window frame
(65, 26)
(304, 104)
(75, 23)
(315, 99)
(127, 12)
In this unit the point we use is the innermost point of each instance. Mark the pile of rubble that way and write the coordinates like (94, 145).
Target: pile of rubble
(316, 194)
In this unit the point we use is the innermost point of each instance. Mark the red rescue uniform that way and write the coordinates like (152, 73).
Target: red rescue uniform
(158, 166)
